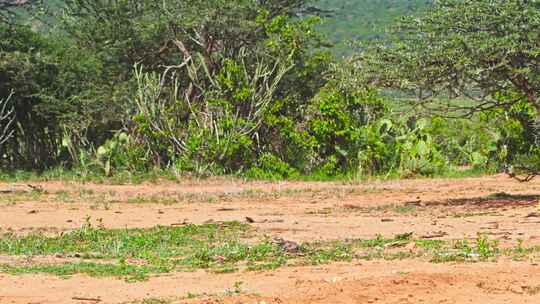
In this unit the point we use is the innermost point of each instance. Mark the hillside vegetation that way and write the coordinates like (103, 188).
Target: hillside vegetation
(352, 20)
(247, 88)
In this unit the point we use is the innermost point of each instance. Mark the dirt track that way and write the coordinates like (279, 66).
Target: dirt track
(496, 206)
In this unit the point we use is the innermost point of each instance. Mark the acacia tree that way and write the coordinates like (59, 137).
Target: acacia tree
(486, 50)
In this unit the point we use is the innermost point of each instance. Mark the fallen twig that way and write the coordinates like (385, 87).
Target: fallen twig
(435, 235)
(86, 299)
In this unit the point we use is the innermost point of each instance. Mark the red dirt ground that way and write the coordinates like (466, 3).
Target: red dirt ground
(300, 211)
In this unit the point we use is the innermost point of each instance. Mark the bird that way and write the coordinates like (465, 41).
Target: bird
(287, 246)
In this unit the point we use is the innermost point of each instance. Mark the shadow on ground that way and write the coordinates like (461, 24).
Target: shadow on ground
(494, 200)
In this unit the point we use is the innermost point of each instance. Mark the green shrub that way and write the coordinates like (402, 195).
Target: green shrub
(272, 167)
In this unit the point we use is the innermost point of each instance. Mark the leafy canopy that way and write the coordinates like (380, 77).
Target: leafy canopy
(478, 48)
(486, 50)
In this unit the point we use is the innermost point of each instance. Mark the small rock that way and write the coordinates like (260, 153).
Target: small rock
(334, 280)
(411, 247)
(516, 289)
(473, 255)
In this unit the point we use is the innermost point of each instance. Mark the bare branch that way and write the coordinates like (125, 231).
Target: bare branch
(7, 118)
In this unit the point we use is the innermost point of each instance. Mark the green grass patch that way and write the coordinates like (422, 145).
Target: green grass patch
(127, 243)
(325, 252)
(404, 209)
(131, 273)
(136, 254)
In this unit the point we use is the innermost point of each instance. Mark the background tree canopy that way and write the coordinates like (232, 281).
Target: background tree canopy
(487, 51)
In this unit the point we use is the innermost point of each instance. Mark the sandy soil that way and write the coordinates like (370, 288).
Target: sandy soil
(300, 211)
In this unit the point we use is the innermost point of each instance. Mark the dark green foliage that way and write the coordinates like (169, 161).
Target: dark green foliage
(518, 149)
(485, 50)
(109, 88)
(269, 166)
(338, 118)
(473, 48)
(55, 94)
(224, 111)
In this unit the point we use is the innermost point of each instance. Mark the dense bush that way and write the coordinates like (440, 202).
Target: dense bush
(220, 87)
(518, 144)
(486, 50)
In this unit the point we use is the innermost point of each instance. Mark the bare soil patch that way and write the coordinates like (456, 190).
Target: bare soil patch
(495, 207)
